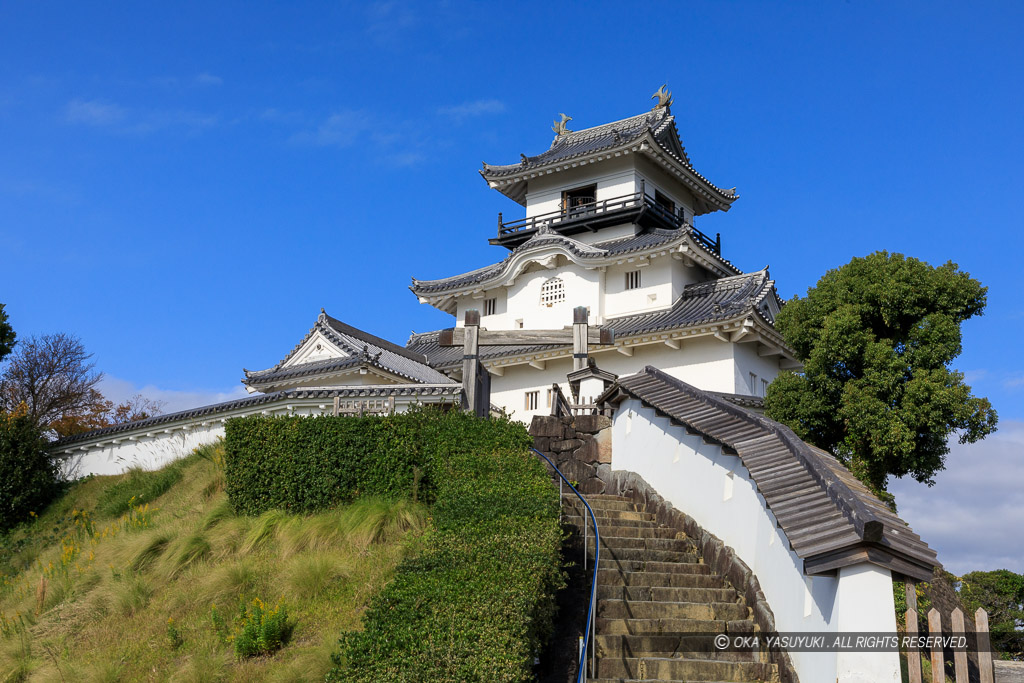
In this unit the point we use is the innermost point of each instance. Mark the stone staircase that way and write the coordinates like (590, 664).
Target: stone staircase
(658, 603)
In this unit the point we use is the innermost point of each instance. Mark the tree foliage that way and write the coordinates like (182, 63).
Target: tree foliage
(28, 477)
(100, 413)
(1001, 594)
(7, 336)
(877, 337)
(53, 376)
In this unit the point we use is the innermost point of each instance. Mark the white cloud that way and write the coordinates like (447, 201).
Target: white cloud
(461, 112)
(93, 112)
(134, 121)
(208, 79)
(1014, 382)
(118, 390)
(974, 514)
(341, 129)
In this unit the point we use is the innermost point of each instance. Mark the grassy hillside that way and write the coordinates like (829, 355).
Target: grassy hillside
(141, 577)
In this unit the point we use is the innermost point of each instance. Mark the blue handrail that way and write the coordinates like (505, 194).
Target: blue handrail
(581, 674)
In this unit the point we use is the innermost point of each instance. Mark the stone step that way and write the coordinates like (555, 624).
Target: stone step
(572, 516)
(679, 545)
(645, 554)
(633, 532)
(663, 594)
(701, 646)
(684, 565)
(649, 609)
(658, 627)
(600, 504)
(602, 522)
(697, 579)
(680, 669)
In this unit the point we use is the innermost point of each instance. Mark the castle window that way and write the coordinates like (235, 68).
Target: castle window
(490, 306)
(580, 200)
(552, 292)
(633, 279)
(753, 384)
(764, 388)
(531, 400)
(664, 202)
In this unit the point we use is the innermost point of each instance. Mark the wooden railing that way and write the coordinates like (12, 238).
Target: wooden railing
(364, 406)
(583, 208)
(937, 655)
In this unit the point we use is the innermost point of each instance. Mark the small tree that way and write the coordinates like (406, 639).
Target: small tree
(100, 413)
(877, 337)
(52, 376)
(1001, 593)
(28, 477)
(7, 336)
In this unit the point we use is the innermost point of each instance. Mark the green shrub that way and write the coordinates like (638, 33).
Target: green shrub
(28, 477)
(261, 629)
(306, 464)
(478, 602)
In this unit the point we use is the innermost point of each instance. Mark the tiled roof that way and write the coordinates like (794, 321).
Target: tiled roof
(699, 304)
(659, 123)
(829, 517)
(448, 389)
(362, 349)
(645, 241)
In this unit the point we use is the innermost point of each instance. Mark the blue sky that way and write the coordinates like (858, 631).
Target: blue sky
(184, 185)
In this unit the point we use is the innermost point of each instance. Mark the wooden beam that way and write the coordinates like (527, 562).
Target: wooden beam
(470, 359)
(625, 350)
(673, 343)
(539, 364)
(579, 338)
(457, 337)
(498, 370)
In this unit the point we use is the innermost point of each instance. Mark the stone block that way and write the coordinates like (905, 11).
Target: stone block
(546, 425)
(591, 424)
(586, 450)
(542, 444)
(566, 445)
(603, 440)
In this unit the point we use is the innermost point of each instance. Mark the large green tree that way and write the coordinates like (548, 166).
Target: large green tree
(876, 338)
(7, 336)
(1001, 593)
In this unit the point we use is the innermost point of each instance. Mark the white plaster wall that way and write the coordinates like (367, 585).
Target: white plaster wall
(614, 178)
(151, 447)
(716, 490)
(655, 178)
(582, 288)
(654, 293)
(705, 362)
(748, 361)
(857, 614)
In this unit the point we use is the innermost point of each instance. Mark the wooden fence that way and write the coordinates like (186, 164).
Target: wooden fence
(982, 645)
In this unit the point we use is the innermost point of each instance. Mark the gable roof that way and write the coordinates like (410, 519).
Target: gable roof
(830, 518)
(700, 304)
(632, 245)
(656, 127)
(362, 349)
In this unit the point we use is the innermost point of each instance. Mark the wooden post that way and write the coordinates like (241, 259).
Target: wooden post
(984, 647)
(470, 360)
(580, 352)
(959, 656)
(391, 405)
(911, 589)
(913, 654)
(935, 630)
(337, 406)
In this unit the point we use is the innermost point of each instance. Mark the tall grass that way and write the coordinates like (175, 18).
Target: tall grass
(106, 617)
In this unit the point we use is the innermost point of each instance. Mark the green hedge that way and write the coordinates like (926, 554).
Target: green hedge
(478, 602)
(302, 464)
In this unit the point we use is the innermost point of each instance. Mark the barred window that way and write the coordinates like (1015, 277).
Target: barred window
(552, 292)
(490, 306)
(633, 279)
(531, 399)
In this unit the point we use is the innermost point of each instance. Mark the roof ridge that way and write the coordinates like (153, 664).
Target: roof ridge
(344, 328)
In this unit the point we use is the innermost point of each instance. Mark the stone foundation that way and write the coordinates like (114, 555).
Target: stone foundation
(577, 445)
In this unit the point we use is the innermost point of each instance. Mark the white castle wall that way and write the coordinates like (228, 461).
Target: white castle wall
(716, 490)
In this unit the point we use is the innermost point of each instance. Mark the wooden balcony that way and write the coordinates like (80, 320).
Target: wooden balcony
(585, 214)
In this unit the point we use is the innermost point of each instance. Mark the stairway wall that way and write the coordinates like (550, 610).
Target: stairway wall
(741, 538)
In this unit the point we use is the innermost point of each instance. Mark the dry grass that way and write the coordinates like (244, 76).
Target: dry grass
(107, 600)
